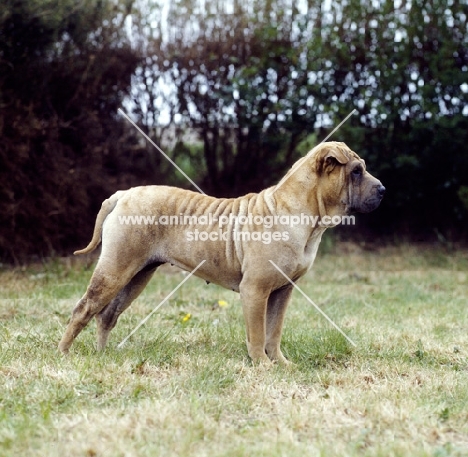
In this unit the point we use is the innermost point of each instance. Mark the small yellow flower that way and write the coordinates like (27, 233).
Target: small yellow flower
(222, 303)
(186, 317)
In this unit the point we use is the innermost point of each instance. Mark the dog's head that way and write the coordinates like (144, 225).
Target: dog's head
(343, 178)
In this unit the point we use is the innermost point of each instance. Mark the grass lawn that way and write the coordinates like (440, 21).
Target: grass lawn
(183, 385)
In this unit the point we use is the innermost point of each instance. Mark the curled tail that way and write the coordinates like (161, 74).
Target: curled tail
(106, 208)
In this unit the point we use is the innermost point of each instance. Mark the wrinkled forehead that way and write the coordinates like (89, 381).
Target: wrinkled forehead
(354, 158)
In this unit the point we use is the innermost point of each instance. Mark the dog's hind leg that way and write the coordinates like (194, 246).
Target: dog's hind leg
(107, 317)
(277, 303)
(105, 284)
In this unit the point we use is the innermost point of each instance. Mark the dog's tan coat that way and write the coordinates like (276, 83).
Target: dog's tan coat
(330, 181)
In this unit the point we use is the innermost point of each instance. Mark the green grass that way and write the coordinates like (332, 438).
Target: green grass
(186, 387)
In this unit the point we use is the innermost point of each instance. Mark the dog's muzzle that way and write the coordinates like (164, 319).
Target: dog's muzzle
(373, 202)
(370, 203)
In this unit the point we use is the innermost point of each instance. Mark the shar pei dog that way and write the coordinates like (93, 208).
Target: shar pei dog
(247, 244)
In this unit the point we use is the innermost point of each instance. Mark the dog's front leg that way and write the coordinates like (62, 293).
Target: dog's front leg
(277, 303)
(254, 306)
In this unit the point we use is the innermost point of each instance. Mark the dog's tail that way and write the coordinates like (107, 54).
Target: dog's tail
(106, 208)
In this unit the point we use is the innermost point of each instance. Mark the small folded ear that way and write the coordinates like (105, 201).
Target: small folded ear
(330, 158)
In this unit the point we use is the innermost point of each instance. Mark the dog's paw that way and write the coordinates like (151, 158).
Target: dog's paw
(283, 361)
(63, 348)
(260, 359)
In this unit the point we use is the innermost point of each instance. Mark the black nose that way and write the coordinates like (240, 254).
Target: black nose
(381, 190)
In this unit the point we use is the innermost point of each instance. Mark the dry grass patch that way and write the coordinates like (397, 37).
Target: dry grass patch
(185, 386)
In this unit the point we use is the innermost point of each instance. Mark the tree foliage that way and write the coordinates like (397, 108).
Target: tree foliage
(64, 70)
(240, 89)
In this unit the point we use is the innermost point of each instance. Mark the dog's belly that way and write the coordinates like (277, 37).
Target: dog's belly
(211, 264)
(197, 249)
(222, 279)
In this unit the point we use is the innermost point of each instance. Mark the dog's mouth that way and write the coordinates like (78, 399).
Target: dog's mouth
(369, 204)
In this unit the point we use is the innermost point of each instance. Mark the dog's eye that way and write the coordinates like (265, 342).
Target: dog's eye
(357, 171)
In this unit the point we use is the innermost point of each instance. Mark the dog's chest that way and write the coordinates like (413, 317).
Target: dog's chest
(310, 249)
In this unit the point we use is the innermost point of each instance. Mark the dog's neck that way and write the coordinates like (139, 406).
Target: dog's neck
(307, 201)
